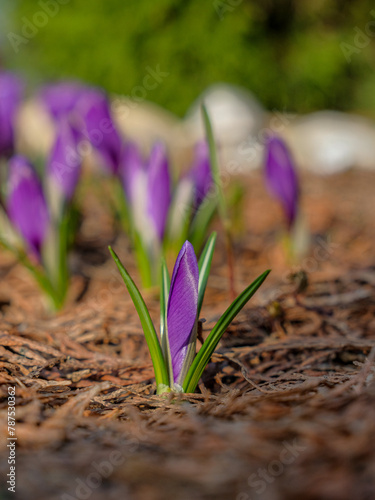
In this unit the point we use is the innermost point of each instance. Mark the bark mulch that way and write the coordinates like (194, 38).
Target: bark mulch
(286, 407)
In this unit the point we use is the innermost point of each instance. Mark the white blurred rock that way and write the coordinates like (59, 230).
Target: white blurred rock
(236, 117)
(327, 142)
(35, 130)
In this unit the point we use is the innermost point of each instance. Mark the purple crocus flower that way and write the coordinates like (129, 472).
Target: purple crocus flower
(64, 164)
(89, 110)
(131, 166)
(182, 308)
(158, 188)
(281, 176)
(26, 205)
(61, 98)
(11, 90)
(200, 172)
(94, 109)
(147, 187)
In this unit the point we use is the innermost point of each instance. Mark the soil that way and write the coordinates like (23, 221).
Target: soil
(285, 409)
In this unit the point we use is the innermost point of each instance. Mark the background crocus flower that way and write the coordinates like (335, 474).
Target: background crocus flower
(281, 177)
(182, 310)
(26, 205)
(147, 187)
(89, 111)
(94, 109)
(200, 172)
(158, 188)
(11, 90)
(131, 166)
(64, 163)
(61, 98)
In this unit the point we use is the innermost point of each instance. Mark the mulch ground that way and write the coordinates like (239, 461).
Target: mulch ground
(286, 407)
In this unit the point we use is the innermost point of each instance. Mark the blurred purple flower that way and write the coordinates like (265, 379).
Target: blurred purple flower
(64, 163)
(131, 166)
(89, 111)
(94, 108)
(200, 172)
(26, 205)
(11, 91)
(281, 176)
(147, 187)
(182, 307)
(158, 188)
(61, 98)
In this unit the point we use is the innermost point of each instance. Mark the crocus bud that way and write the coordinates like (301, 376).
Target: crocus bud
(158, 189)
(182, 310)
(64, 164)
(94, 109)
(26, 205)
(11, 90)
(200, 172)
(281, 177)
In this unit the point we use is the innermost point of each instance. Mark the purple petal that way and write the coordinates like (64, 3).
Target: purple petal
(11, 90)
(26, 205)
(94, 108)
(281, 176)
(64, 164)
(200, 172)
(131, 164)
(182, 306)
(158, 188)
(61, 98)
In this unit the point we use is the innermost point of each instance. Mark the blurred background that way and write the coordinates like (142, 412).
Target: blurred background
(294, 55)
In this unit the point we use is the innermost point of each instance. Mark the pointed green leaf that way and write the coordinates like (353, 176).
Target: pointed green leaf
(164, 294)
(204, 265)
(215, 170)
(205, 353)
(152, 340)
(202, 219)
(223, 211)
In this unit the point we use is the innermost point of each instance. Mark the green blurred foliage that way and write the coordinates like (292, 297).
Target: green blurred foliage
(288, 52)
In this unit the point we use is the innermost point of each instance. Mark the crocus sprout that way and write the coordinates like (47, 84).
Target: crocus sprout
(281, 177)
(177, 367)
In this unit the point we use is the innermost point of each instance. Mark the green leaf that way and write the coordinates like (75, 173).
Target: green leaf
(201, 221)
(161, 374)
(223, 211)
(179, 217)
(204, 265)
(63, 244)
(164, 294)
(143, 260)
(215, 170)
(39, 275)
(205, 353)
